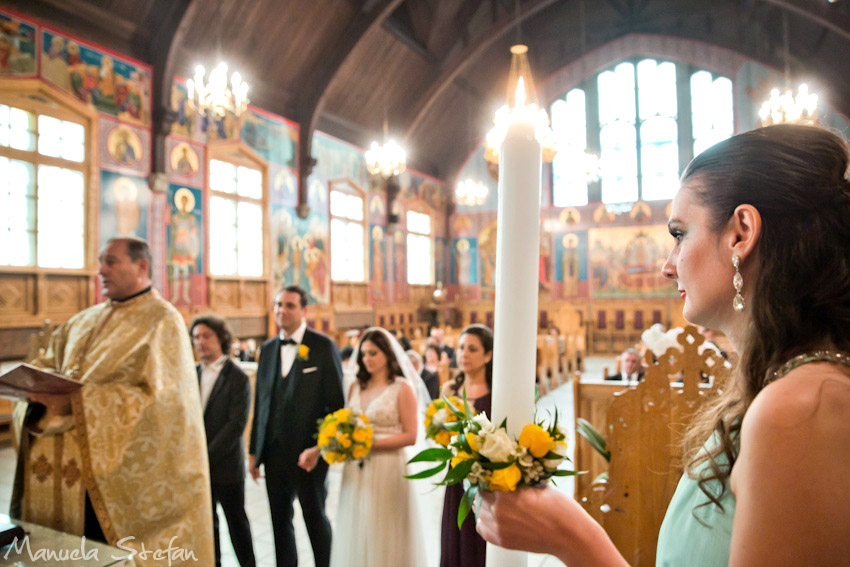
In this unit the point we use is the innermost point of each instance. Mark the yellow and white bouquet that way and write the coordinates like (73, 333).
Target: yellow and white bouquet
(344, 435)
(485, 456)
(438, 416)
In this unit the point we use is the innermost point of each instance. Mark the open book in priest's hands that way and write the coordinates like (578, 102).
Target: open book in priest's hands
(25, 379)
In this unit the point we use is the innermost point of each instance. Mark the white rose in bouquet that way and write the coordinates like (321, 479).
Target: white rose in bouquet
(497, 446)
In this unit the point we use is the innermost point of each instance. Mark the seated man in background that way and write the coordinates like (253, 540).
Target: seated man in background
(226, 401)
(630, 369)
(122, 460)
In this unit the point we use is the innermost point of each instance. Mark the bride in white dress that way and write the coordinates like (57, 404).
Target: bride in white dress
(378, 524)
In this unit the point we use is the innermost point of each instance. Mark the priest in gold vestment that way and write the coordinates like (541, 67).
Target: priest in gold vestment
(126, 456)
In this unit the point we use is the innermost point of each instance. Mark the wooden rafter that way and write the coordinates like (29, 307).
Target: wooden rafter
(462, 60)
(164, 51)
(313, 94)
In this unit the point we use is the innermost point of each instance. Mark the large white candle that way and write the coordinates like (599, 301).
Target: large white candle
(517, 256)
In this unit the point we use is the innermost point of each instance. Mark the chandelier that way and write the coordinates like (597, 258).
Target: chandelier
(470, 193)
(521, 90)
(786, 108)
(215, 96)
(387, 159)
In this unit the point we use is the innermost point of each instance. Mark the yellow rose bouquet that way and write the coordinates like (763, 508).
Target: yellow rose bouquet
(344, 435)
(438, 416)
(487, 458)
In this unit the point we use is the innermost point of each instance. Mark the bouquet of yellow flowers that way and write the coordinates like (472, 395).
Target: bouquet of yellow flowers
(438, 416)
(485, 456)
(344, 435)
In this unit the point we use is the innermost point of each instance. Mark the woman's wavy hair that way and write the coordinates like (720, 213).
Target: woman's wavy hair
(380, 340)
(799, 292)
(485, 335)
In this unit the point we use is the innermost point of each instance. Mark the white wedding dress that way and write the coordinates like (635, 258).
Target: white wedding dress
(378, 524)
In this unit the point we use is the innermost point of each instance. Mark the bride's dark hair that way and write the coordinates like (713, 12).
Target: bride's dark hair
(379, 339)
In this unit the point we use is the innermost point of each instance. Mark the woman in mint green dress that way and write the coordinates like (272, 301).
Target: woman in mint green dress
(762, 252)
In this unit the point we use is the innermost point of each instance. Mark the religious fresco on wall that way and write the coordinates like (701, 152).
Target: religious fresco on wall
(401, 290)
(124, 147)
(112, 84)
(487, 255)
(17, 46)
(626, 262)
(156, 239)
(284, 185)
(275, 139)
(205, 128)
(317, 195)
(282, 229)
(336, 160)
(434, 194)
(185, 163)
(124, 206)
(377, 262)
(440, 274)
(376, 208)
(187, 285)
(463, 262)
(570, 265)
(300, 248)
(187, 122)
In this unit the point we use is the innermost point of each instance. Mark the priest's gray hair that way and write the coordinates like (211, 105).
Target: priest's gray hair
(137, 249)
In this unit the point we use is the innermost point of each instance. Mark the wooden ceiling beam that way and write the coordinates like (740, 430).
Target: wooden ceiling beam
(467, 56)
(178, 16)
(313, 95)
(105, 19)
(822, 15)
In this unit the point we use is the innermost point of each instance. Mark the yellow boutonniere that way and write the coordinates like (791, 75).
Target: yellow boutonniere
(303, 352)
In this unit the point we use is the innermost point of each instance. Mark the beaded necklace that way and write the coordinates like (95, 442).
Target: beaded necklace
(806, 358)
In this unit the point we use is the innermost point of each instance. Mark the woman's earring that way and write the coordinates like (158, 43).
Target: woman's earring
(738, 282)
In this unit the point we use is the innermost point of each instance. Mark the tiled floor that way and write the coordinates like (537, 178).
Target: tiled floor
(258, 508)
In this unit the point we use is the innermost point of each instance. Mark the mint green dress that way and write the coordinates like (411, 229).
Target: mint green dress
(685, 542)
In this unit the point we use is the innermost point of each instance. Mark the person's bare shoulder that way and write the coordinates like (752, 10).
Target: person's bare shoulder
(798, 396)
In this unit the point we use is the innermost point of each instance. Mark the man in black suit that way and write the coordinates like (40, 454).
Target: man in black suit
(630, 369)
(225, 399)
(299, 381)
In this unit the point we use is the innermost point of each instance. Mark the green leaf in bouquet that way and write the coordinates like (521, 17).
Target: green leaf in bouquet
(554, 455)
(466, 407)
(504, 424)
(427, 473)
(458, 473)
(454, 409)
(434, 454)
(466, 504)
(432, 430)
(586, 430)
(454, 426)
(560, 472)
(496, 466)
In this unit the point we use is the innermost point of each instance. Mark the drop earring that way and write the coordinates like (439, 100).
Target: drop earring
(738, 282)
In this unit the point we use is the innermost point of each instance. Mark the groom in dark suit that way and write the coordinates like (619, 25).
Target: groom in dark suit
(225, 400)
(299, 381)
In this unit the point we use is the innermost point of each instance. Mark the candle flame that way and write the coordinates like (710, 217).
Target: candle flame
(519, 97)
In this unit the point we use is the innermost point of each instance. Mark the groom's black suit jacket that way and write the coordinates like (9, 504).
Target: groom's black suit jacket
(315, 391)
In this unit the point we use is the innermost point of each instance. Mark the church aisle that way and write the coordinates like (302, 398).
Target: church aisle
(257, 507)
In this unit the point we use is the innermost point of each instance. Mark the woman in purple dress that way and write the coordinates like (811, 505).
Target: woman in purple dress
(464, 547)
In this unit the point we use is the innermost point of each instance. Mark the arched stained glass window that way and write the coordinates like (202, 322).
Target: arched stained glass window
(629, 116)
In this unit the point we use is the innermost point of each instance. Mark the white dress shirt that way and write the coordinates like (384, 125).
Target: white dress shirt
(289, 352)
(209, 374)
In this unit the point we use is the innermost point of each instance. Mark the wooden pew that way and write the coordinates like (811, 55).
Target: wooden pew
(643, 425)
